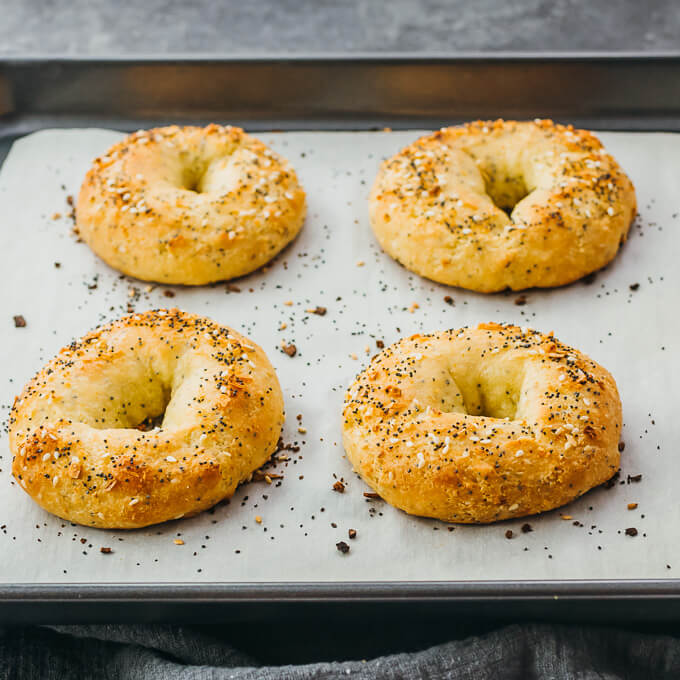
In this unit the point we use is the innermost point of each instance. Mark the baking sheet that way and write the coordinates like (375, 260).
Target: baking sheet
(632, 332)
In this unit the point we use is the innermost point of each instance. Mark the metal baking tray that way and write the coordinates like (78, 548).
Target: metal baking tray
(613, 92)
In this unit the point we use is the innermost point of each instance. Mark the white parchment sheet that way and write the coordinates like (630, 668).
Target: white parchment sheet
(634, 333)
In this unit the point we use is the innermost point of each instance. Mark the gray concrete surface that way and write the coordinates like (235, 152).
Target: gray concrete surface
(111, 27)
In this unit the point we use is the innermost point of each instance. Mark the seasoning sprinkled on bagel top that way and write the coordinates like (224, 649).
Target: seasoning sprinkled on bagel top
(503, 204)
(481, 424)
(82, 432)
(189, 205)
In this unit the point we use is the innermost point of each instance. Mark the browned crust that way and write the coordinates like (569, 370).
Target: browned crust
(223, 421)
(430, 210)
(448, 464)
(136, 213)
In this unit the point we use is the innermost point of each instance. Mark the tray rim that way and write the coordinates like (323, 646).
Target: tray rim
(339, 591)
(345, 591)
(26, 119)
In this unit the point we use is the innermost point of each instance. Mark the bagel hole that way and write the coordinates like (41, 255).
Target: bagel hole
(151, 422)
(192, 177)
(492, 405)
(152, 410)
(192, 182)
(139, 407)
(491, 395)
(505, 190)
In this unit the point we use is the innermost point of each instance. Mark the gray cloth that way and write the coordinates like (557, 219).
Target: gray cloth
(173, 652)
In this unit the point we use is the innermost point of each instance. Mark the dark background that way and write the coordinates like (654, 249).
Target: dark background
(113, 27)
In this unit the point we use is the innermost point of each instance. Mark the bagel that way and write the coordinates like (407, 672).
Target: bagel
(493, 205)
(483, 424)
(73, 430)
(189, 205)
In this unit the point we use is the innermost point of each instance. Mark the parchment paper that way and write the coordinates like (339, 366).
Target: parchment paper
(634, 333)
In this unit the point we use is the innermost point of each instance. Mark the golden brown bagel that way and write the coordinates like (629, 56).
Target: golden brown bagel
(482, 424)
(439, 205)
(73, 433)
(189, 205)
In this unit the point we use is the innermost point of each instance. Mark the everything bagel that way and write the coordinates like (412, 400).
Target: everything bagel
(74, 432)
(493, 205)
(189, 205)
(482, 424)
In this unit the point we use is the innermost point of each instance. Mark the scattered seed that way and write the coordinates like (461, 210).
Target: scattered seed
(290, 350)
